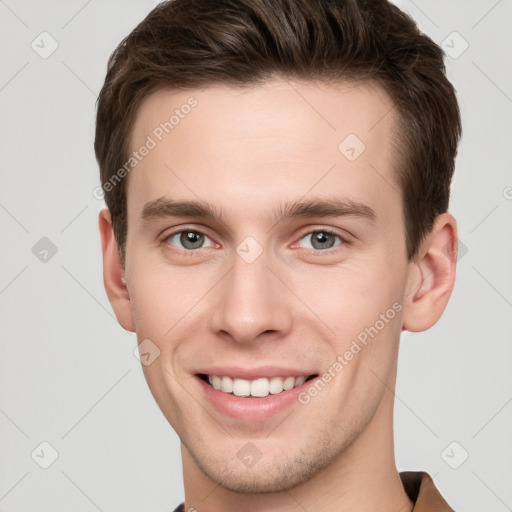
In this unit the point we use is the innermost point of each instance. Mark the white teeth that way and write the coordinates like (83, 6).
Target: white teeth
(288, 383)
(226, 384)
(216, 382)
(258, 387)
(299, 381)
(241, 387)
(275, 385)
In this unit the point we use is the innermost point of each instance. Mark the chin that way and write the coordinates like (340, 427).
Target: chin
(261, 481)
(269, 475)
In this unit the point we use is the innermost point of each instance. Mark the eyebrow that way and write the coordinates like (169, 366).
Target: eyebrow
(164, 207)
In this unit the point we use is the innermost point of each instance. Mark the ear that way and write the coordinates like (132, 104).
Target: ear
(114, 274)
(431, 276)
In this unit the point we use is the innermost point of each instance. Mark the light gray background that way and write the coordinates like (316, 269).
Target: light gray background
(67, 372)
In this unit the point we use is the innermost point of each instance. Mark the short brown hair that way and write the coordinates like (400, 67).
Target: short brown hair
(192, 43)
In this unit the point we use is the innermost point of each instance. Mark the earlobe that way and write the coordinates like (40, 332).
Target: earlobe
(114, 273)
(431, 276)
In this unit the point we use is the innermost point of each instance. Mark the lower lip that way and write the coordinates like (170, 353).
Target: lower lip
(251, 408)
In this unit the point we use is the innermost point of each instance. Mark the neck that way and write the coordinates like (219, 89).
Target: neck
(363, 478)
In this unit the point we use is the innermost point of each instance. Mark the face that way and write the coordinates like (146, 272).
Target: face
(296, 256)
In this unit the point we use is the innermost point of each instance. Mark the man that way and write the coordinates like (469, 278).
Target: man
(277, 176)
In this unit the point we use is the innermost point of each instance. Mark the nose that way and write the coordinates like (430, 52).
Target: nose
(252, 302)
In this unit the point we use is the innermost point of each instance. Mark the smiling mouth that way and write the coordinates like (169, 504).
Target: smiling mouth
(258, 388)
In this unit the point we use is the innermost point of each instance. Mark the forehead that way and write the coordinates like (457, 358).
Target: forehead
(282, 138)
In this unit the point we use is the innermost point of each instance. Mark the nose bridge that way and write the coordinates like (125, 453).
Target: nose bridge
(251, 299)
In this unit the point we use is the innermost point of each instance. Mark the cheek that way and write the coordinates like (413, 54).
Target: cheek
(151, 311)
(160, 295)
(361, 305)
(352, 297)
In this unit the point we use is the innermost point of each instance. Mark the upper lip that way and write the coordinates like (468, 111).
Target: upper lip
(238, 372)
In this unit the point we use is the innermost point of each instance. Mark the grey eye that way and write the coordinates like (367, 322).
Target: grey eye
(322, 239)
(188, 239)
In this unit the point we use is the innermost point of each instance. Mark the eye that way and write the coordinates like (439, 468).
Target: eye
(322, 239)
(188, 238)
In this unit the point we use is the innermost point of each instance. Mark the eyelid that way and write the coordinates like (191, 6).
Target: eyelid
(345, 237)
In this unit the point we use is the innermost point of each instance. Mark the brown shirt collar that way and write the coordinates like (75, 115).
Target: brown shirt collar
(420, 488)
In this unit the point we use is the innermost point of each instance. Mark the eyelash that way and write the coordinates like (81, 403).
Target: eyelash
(344, 241)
